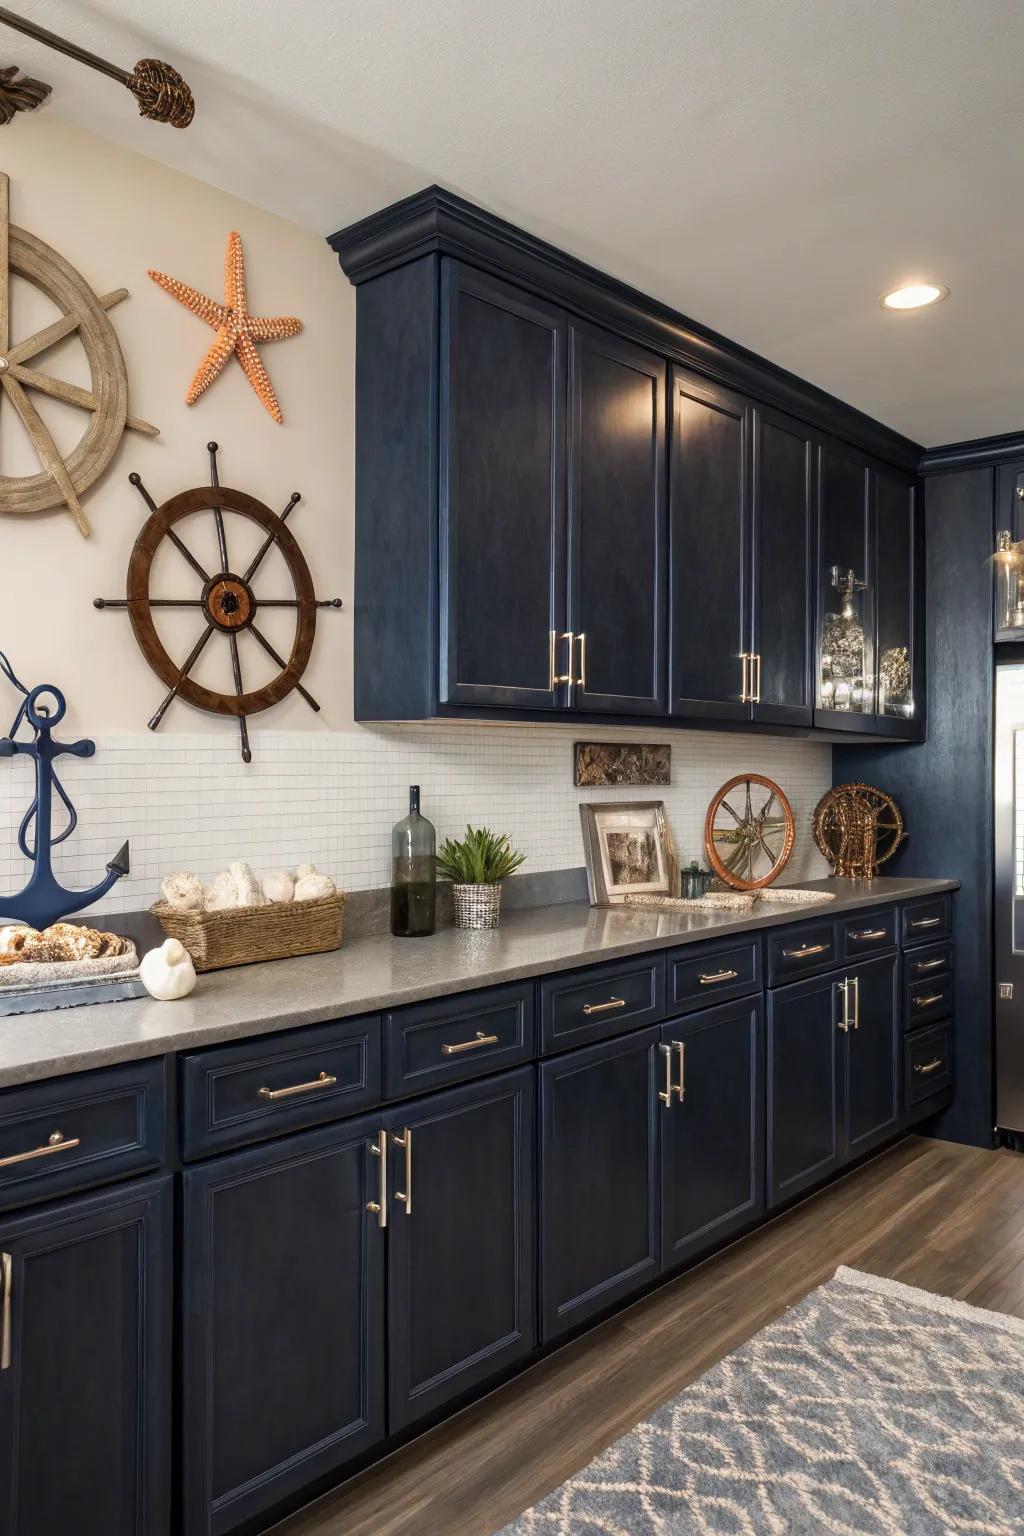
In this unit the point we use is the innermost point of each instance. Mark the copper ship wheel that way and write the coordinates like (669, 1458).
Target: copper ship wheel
(748, 832)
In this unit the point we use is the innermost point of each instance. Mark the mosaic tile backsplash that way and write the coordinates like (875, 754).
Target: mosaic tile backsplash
(188, 802)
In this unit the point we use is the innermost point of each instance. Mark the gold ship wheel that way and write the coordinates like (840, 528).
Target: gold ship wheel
(62, 480)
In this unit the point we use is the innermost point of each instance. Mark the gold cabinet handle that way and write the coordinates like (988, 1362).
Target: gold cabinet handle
(709, 978)
(745, 690)
(805, 951)
(582, 679)
(609, 1007)
(679, 1046)
(379, 1207)
(558, 677)
(870, 933)
(404, 1196)
(56, 1143)
(755, 668)
(843, 987)
(929, 1066)
(7, 1282)
(925, 922)
(325, 1080)
(665, 1094)
(928, 965)
(928, 999)
(469, 1045)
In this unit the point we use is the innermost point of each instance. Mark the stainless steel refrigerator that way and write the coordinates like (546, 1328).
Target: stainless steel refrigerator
(1009, 901)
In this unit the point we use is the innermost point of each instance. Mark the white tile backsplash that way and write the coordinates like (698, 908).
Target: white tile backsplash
(189, 802)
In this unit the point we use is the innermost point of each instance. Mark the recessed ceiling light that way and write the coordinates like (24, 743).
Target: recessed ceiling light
(915, 296)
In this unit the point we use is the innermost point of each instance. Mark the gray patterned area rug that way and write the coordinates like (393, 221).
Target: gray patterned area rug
(869, 1409)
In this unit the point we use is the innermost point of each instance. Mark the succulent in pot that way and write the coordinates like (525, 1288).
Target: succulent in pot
(476, 865)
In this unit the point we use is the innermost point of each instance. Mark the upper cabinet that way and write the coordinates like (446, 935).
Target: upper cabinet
(571, 502)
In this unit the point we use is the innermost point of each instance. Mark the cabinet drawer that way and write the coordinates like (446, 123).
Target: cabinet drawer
(929, 1060)
(930, 962)
(70, 1132)
(702, 974)
(867, 933)
(926, 920)
(929, 999)
(604, 1000)
(235, 1094)
(431, 1044)
(804, 951)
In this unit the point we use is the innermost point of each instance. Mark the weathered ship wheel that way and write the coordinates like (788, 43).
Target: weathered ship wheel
(748, 832)
(62, 479)
(227, 602)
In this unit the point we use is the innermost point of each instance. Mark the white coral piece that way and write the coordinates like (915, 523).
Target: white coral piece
(183, 890)
(221, 893)
(246, 885)
(279, 885)
(314, 885)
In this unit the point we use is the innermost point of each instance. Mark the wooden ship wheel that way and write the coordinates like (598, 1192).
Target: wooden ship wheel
(749, 832)
(226, 604)
(62, 478)
(857, 827)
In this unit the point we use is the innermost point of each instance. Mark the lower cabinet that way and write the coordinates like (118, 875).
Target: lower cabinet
(833, 1073)
(712, 1136)
(85, 1365)
(292, 1249)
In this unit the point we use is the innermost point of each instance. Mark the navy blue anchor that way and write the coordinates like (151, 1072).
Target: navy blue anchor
(43, 900)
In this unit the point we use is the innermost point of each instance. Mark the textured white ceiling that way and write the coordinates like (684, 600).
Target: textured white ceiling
(767, 166)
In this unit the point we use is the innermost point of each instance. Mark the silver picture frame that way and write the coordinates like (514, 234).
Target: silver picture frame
(627, 846)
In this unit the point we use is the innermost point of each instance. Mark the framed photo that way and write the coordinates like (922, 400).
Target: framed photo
(628, 849)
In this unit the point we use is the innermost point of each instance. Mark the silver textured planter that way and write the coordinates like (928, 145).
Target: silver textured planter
(476, 906)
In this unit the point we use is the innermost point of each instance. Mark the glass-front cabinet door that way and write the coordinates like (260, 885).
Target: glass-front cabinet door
(845, 684)
(896, 513)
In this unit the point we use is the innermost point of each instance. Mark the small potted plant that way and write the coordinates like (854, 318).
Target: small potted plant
(476, 865)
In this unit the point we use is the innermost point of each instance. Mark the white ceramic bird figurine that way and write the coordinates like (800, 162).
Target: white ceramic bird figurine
(167, 973)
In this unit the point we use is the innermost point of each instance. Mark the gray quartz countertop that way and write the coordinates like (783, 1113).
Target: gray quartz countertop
(382, 972)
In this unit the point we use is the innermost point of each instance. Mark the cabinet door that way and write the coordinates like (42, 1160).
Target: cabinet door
(709, 531)
(783, 569)
(617, 523)
(873, 1050)
(502, 493)
(600, 1130)
(713, 1135)
(804, 1130)
(461, 1274)
(283, 1322)
(846, 596)
(900, 601)
(85, 1401)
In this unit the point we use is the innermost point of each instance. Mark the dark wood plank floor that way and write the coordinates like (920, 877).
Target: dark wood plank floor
(944, 1217)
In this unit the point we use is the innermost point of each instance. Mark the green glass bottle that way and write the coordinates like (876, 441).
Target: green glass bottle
(413, 873)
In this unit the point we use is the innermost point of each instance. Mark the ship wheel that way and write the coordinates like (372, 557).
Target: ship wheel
(227, 603)
(63, 478)
(857, 827)
(749, 832)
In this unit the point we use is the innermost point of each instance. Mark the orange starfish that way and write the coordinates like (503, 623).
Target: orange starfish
(237, 330)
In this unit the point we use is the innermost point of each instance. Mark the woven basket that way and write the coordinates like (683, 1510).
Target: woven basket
(476, 906)
(244, 935)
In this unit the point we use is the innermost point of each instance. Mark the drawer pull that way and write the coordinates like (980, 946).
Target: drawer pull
(469, 1045)
(927, 1001)
(7, 1281)
(325, 1080)
(608, 1007)
(56, 1143)
(806, 951)
(925, 922)
(379, 1207)
(929, 1066)
(928, 965)
(404, 1196)
(708, 978)
(870, 933)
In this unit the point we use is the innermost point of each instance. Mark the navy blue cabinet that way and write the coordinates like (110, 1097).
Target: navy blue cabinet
(782, 569)
(283, 1321)
(713, 1133)
(85, 1365)
(874, 1049)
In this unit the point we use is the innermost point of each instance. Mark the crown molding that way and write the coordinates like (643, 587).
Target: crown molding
(979, 453)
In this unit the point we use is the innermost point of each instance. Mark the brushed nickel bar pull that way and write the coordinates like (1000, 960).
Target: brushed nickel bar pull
(558, 677)
(708, 978)
(679, 1046)
(930, 1066)
(856, 1002)
(871, 933)
(925, 922)
(56, 1143)
(609, 1007)
(745, 690)
(325, 1080)
(805, 951)
(928, 965)
(405, 1140)
(379, 1207)
(469, 1045)
(7, 1281)
(755, 691)
(582, 679)
(844, 988)
(926, 1001)
(665, 1094)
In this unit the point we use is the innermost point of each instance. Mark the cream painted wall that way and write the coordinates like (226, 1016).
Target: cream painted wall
(113, 214)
